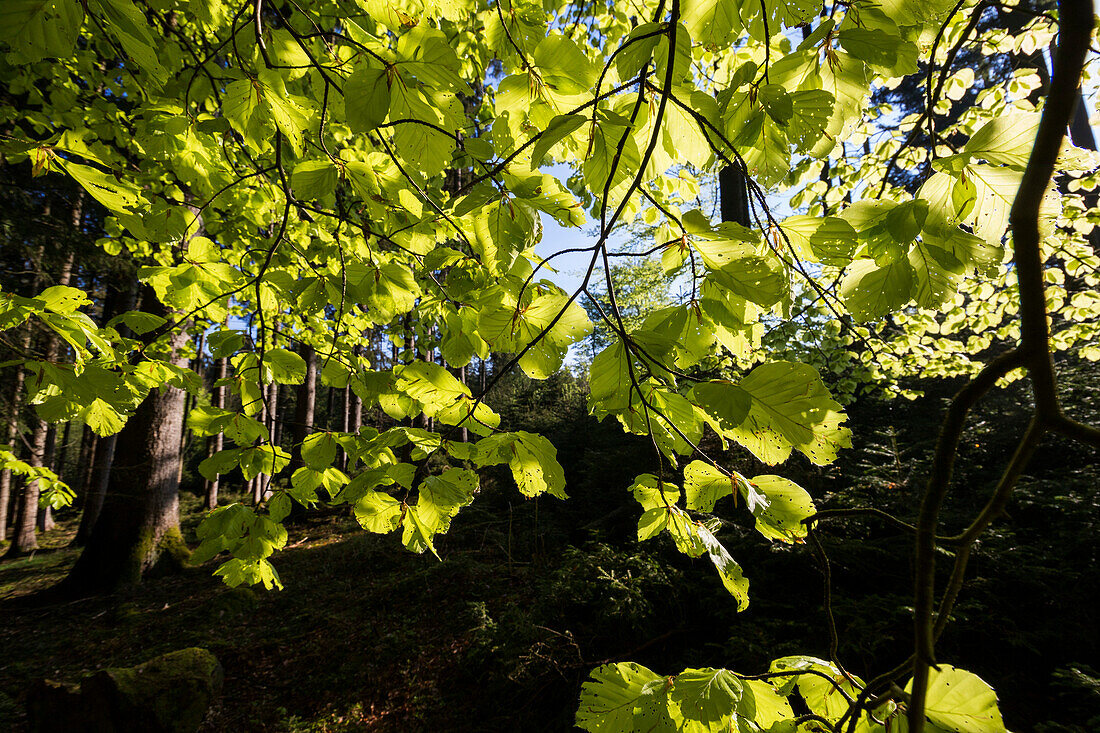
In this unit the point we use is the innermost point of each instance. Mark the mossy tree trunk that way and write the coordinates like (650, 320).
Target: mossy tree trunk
(138, 527)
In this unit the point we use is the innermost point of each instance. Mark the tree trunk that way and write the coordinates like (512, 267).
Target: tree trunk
(345, 423)
(24, 541)
(218, 441)
(305, 407)
(734, 196)
(85, 460)
(49, 460)
(263, 489)
(329, 409)
(9, 440)
(27, 513)
(116, 301)
(97, 488)
(356, 412)
(463, 432)
(138, 528)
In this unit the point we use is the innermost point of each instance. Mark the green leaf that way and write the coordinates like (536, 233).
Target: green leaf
(727, 403)
(249, 572)
(777, 103)
(728, 570)
(960, 701)
(290, 117)
(830, 239)
(995, 191)
(102, 418)
(818, 690)
(652, 493)
(812, 109)
(905, 221)
(286, 366)
(610, 696)
(878, 48)
(560, 127)
(432, 385)
(313, 179)
(791, 408)
(128, 24)
(637, 49)
(63, 300)
(1007, 138)
(440, 499)
(138, 322)
(609, 378)
(378, 512)
(787, 504)
(116, 195)
(41, 28)
(762, 703)
(319, 450)
(707, 696)
(535, 467)
(934, 275)
(367, 98)
(221, 462)
(870, 291)
(225, 342)
(761, 280)
(704, 485)
(711, 22)
(279, 506)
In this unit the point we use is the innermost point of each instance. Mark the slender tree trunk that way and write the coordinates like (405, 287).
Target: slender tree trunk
(345, 421)
(12, 430)
(420, 421)
(304, 408)
(272, 421)
(356, 412)
(49, 460)
(1080, 131)
(138, 528)
(27, 515)
(217, 442)
(85, 458)
(61, 461)
(24, 541)
(26, 336)
(97, 488)
(329, 409)
(463, 431)
(734, 195)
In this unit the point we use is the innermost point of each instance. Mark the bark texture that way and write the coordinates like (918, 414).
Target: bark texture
(304, 408)
(138, 528)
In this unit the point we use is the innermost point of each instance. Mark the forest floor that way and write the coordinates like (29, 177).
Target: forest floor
(365, 636)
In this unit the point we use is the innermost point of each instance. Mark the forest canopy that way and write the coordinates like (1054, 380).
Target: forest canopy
(778, 206)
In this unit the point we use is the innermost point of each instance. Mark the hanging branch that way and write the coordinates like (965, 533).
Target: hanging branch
(1075, 21)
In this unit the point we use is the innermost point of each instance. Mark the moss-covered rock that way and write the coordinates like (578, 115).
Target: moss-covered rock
(168, 694)
(232, 603)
